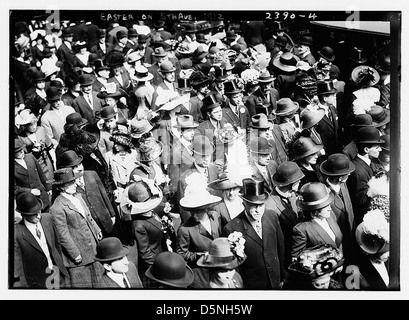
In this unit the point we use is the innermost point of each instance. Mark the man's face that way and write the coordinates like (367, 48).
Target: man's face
(301, 49)
(169, 76)
(265, 86)
(204, 90)
(120, 266)
(265, 133)
(78, 169)
(331, 99)
(19, 155)
(255, 211)
(55, 104)
(236, 99)
(231, 194)
(86, 89)
(344, 178)
(373, 151)
(70, 187)
(263, 159)
(35, 218)
(110, 101)
(104, 74)
(117, 70)
(216, 114)
(40, 85)
(76, 88)
(123, 40)
(202, 160)
(69, 39)
(102, 40)
(188, 134)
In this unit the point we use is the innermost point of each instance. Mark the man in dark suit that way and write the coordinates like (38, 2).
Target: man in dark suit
(235, 112)
(90, 34)
(192, 106)
(165, 85)
(264, 246)
(65, 53)
(102, 47)
(37, 247)
(328, 126)
(93, 191)
(87, 104)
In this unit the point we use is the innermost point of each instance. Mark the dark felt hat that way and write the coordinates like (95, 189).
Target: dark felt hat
(310, 118)
(159, 52)
(260, 145)
(67, 32)
(380, 116)
(107, 113)
(53, 94)
(110, 249)
(100, 65)
(101, 33)
(337, 164)
(260, 121)
(287, 173)
(69, 159)
(265, 76)
(220, 74)
(369, 135)
(253, 191)
(64, 175)
(327, 53)
(210, 102)
(201, 145)
(304, 147)
(132, 32)
(305, 40)
(28, 204)
(362, 120)
(285, 106)
(86, 80)
(76, 118)
(314, 196)
(121, 34)
(38, 76)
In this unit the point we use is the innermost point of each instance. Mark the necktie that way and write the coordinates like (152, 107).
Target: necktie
(206, 174)
(38, 232)
(125, 282)
(258, 228)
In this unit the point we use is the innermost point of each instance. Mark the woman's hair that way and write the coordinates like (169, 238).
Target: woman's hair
(127, 149)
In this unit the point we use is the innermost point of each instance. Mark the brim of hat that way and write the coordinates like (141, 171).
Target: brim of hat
(370, 141)
(326, 58)
(122, 143)
(20, 121)
(238, 136)
(223, 184)
(86, 83)
(316, 206)
(382, 123)
(314, 120)
(53, 182)
(284, 67)
(268, 126)
(327, 92)
(120, 255)
(142, 207)
(315, 149)
(202, 83)
(180, 283)
(188, 89)
(287, 112)
(147, 78)
(224, 265)
(73, 164)
(155, 156)
(200, 203)
(36, 209)
(102, 68)
(361, 125)
(271, 79)
(233, 92)
(298, 177)
(255, 200)
(351, 168)
(359, 61)
(193, 125)
(138, 135)
(359, 234)
(201, 153)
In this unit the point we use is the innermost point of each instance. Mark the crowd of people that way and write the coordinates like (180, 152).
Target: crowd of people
(242, 158)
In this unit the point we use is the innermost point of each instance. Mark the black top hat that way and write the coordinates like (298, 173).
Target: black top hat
(77, 119)
(184, 84)
(369, 135)
(86, 80)
(260, 121)
(132, 32)
(231, 87)
(53, 94)
(38, 76)
(220, 74)
(110, 249)
(362, 120)
(199, 79)
(357, 55)
(287, 173)
(380, 116)
(69, 159)
(121, 34)
(210, 102)
(253, 191)
(101, 33)
(314, 196)
(304, 147)
(67, 32)
(64, 175)
(100, 65)
(260, 145)
(28, 204)
(325, 87)
(327, 53)
(305, 40)
(337, 164)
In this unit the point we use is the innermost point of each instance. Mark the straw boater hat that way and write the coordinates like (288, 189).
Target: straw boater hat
(110, 249)
(185, 121)
(142, 74)
(196, 194)
(220, 255)
(133, 57)
(140, 196)
(286, 62)
(150, 149)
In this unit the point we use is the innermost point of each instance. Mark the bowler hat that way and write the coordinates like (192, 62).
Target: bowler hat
(304, 147)
(314, 196)
(287, 173)
(357, 55)
(186, 121)
(80, 45)
(110, 249)
(139, 127)
(53, 94)
(286, 62)
(86, 80)
(38, 76)
(281, 41)
(64, 175)
(231, 87)
(260, 121)
(310, 118)
(380, 116)
(387, 142)
(132, 32)
(69, 159)
(325, 87)
(100, 65)
(285, 107)
(142, 38)
(201, 145)
(337, 164)
(150, 150)
(158, 24)
(121, 138)
(186, 63)
(121, 34)
(365, 75)
(220, 255)
(142, 74)
(210, 102)
(170, 268)
(220, 74)
(362, 120)
(327, 53)
(101, 33)
(200, 38)
(265, 76)
(167, 66)
(107, 113)
(159, 52)
(67, 32)
(18, 145)
(28, 204)
(260, 145)
(305, 40)
(253, 191)
(369, 135)
(184, 84)
(75, 118)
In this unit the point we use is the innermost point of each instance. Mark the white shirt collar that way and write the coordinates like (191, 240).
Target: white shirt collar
(365, 159)
(335, 187)
(283, 194)
(118, 278)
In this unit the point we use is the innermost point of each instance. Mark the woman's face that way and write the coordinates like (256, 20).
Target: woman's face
(40, 85)
(224, 275)
(70, 187)
(325, 212)
(78, 169)
(31, 127)
(188, 134)
(111, 101)
(312, 159)
(118, 147)
(231, 194)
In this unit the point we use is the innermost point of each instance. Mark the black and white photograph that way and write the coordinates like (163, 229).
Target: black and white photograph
(195, 152)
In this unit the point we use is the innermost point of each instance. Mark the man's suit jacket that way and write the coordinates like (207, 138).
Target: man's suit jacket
(310, 234)
(126, 82)
(180, 161)
(328, 130)
(278, 143)
(221, 208)
(350, 150)
(207, 129)
(271, 169)
(81, 106)
(192, 237)
(132, 275)
(98, 201)
(101, 54)
(67, 57)
(30, 262)
(31, 178)
(256, 100)
(53, 124)
(78, 234)
(285, 85)
(242, 120)
(194, 110)
(370, 279)
(264, 266)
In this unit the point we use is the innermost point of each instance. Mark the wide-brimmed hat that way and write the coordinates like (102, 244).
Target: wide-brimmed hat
(170, 269)
(199, 54)
(107, 113)
(38, 76)
(140, 196)
(231, 87)
(266, 77)
(357, 55)
(372, 234)
(286, 62)
(325, 87)
(167, 66)
(110, 249)
(79, 45)
(185, 121)
(184, 84)
(253, 191)
(304, 147)
(150, 149)
(140, 127)
(314, 196)
(210, 102)
(365, 75)
(159, 52)
(369, 135)
(122, 138)
(260, 145)
(380, 116)
(69, 159)
(85, 80)
(281, 41)
(317, 261)
(77, 119)
(285, 106)
(287, 173)
(362, 120)
(327, 53)
(142, 74)
(260, 121)
(220, 255)
(223, 183)
(133, 57)
(28, 204)
(201, 145)
(337, 164)
(24, 117)
(64, 175)
(310, 118)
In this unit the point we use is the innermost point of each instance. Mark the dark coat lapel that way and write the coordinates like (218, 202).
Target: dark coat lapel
(250, 231)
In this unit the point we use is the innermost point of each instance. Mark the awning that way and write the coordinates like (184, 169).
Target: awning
(372, 27)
